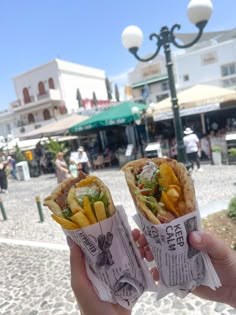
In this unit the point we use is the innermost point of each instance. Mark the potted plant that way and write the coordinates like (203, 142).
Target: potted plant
(216, 154)
(232, 155)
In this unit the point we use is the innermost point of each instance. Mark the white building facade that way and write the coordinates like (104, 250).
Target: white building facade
(212, 61)
(48, 91)
(149, 81)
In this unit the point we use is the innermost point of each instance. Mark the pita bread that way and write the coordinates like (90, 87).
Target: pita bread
(57, 201)
(186, 184)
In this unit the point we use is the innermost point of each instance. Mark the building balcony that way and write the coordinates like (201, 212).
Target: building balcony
(23, 127)
(35, 101)
(15, 104)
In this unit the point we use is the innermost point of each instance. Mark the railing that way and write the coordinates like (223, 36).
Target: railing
(15, 104)
(43, 96)
(29, 100)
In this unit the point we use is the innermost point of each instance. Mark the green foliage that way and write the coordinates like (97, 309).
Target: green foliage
(54, 147)
(232, 209)
(232, 152)
(19, 154)
(216, 148)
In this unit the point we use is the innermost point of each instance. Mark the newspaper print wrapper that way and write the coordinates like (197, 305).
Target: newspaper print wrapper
(113, 262)
(181, 267)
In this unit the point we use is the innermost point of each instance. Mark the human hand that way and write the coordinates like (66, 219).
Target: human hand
(222, 258)
(88, 301)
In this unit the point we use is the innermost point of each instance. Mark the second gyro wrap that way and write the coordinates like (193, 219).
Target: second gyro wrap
(164, 196)
(84, 208)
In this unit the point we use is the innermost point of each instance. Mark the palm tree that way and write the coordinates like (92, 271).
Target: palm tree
(54, 147)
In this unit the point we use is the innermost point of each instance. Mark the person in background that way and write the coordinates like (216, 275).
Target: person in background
(192, 146)
(12, 165)
(73, 169)
(3, 177)
(83, 161)
(206, 147)
(222, 257)
(62, 171)
(38, 154)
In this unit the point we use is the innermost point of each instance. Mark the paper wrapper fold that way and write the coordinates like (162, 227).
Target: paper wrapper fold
(181, 267)
(113, 262)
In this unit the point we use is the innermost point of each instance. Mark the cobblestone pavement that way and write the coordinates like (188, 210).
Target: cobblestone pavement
(34, 259)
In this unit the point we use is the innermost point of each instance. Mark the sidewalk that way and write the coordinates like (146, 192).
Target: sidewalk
(34, 273)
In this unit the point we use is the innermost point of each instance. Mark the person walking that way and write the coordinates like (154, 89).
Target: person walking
(62, 171)
(192, 146)
(3, 177)
(83, 161)
(12, 164)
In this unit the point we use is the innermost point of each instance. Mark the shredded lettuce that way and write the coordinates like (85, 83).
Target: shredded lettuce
(67, 213)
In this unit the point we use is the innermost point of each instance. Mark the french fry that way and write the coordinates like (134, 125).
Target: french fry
(88, 210)
(80, 219)
(169, 204)
(72, 202)
(86, 182)
(167, 176)
(100, 210)
(66, 224)
(173, 194)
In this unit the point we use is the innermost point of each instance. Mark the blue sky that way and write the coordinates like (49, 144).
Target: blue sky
(88, 32)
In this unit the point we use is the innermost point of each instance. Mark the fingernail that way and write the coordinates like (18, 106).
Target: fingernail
(69, 242)
(197, 237)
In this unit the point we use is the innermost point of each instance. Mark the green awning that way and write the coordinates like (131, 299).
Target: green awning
(118, 115)
(155, 79)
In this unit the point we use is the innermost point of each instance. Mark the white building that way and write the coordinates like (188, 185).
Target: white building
(211, 61)
(50, 90)
(149, 81)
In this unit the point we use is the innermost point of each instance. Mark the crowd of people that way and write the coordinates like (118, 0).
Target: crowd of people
(78, 162)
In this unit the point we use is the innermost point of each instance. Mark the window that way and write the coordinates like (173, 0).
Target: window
(186, 77)
(46, 114)
(164, 86)
(51, 84)
(31, 118)
(41, 88)
(26, 96)
(228, 69)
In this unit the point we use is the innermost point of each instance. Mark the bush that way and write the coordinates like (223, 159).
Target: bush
(232, 209)
(232, 152)
(216, 148)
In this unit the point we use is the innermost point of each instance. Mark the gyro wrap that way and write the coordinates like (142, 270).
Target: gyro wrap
(164, 196)
(87, 214)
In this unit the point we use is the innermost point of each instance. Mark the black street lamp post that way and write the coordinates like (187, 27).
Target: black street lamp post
(199, 12)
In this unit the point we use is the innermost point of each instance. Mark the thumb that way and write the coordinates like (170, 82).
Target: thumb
(203, 241)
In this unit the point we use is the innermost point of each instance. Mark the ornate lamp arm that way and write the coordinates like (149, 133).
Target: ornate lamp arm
(172, 38)
(134, 50)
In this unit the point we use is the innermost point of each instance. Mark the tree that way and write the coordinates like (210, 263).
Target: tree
(79, 98)
(19, 154)
(54, 147)
(109, 89)
(94, 101)
(117, 93)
